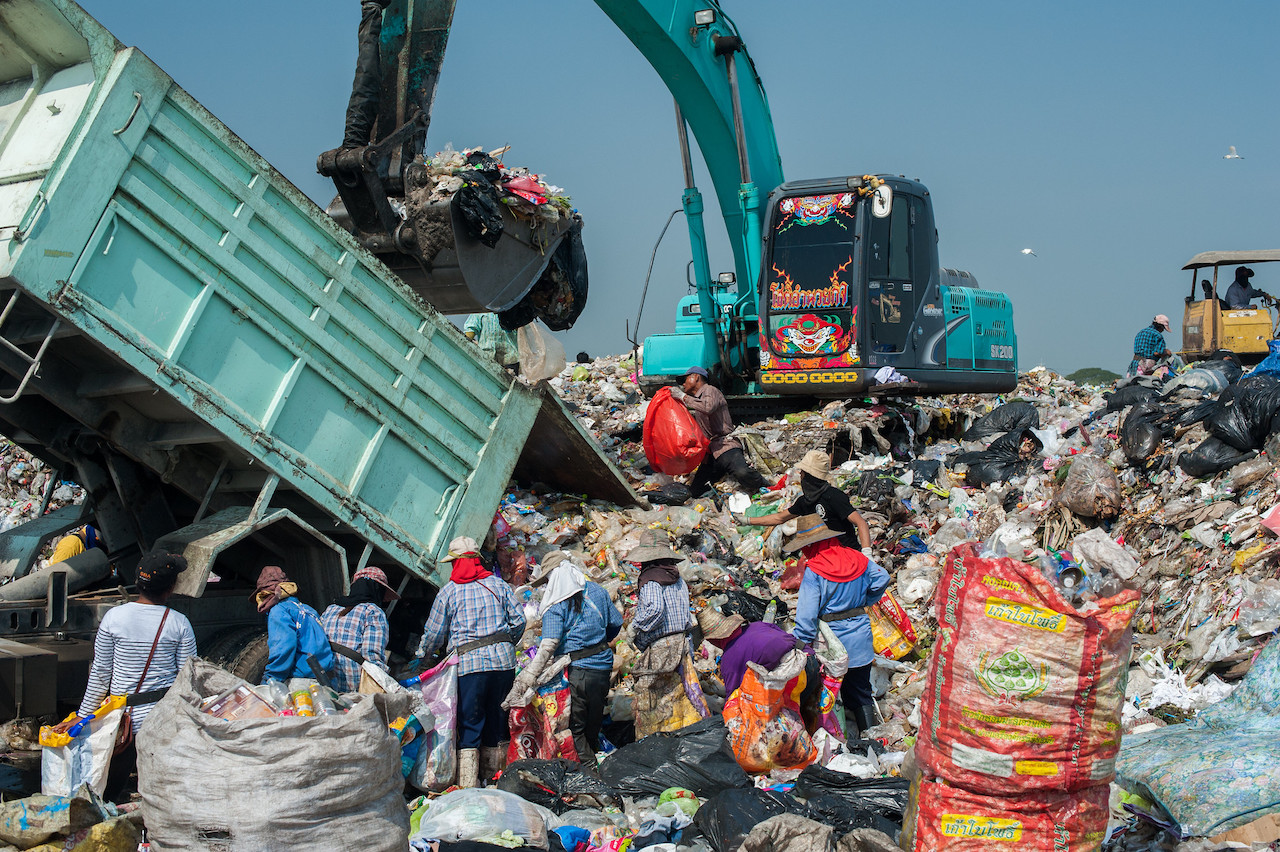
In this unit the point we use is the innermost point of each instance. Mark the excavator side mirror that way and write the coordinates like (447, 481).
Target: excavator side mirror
(882, 201)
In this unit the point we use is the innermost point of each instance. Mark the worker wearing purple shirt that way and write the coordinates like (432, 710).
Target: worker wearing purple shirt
(759, 642)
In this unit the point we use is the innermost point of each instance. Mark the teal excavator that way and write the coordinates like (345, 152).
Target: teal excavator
(836, 286)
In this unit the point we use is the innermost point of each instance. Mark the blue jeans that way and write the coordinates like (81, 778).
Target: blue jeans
(481, 719)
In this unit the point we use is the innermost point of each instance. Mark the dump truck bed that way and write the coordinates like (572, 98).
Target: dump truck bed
(172, 295)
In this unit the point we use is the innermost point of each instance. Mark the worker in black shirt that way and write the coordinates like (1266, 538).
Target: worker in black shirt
(819, 497)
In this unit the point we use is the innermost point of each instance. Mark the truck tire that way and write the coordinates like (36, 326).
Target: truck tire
(232, 639)
(247, 660)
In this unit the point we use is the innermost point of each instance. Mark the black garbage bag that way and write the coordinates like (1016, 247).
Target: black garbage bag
(925, 470)
(481, 207)
(697, 758)
(558, 785)
(875, 490)
(865, 799)
(1010, 417)
(1142, 431)
(1130, 395)
(750, 607)
(1212, 456)
(560, 295)
(675, 494)
(1244, 413)
(728, 817)
(1228, 368)
(485, 165)
(1000, 462)
(1197, 412)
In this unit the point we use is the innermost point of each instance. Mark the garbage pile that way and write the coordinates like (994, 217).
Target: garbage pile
(525, 193)
(1164, 489)
(24, 482)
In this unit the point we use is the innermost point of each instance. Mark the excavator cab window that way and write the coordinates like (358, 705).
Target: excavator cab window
(811, 295)
(891, 286)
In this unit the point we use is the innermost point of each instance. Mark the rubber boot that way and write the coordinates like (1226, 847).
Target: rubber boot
(492, 760)
(468, 767)
(867, 717)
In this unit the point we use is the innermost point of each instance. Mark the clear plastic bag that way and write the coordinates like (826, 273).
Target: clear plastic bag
(476, 814)
(541, 355)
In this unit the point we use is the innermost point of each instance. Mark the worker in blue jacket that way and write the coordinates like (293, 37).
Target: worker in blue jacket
(294, 631)
(839, 584)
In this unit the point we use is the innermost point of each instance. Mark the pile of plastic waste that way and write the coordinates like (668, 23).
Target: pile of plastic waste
(24, 482)
(1168, 490)
(527, 194)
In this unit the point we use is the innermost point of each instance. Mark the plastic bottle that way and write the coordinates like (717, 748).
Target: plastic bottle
(322, 701)
(300, 696)
(771, 612)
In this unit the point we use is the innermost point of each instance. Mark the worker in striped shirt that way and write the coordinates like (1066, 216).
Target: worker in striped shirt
(476, 617)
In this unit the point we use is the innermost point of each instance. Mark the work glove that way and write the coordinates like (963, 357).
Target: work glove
(678, 394)
(866, 551)
(521, 694)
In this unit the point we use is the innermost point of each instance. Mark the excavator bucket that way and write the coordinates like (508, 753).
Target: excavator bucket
(463, 253)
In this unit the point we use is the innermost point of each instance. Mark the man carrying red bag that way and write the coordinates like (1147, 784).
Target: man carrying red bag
(724, 456)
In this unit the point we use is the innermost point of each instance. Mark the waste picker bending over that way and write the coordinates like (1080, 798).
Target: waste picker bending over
(724, 456)
(839, 584)
(578, 620)
(667, 694)
(819, 497)
(294, 631)
(477, 616)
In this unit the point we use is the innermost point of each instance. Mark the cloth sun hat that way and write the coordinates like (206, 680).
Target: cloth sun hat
(461, 546)
(548, 564)
(697, 371)
(565, 576)
(1161, 319)
(809, 529)
(653, 545)
(378, 576)
(816, 463)
(715, 625)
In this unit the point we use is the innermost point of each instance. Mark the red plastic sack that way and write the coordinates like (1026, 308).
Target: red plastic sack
(941, 816)
(674, 443)
(1023, 691)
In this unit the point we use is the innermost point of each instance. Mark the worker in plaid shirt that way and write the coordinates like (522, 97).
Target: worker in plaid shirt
(477, 616)
(357, 622)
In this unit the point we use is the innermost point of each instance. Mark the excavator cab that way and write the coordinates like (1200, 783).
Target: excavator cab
(1208, 325)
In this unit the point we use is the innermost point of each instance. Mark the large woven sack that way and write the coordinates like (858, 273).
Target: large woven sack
(941, 816)
(1023, 690)
(269, 784)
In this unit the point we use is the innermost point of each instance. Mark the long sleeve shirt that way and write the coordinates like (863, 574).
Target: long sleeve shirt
(597, 620)
(364, 630)
(294, 632)
(120, 652)
(819, 596)
(1148, 343)
(711, 411)
(1240, 293)
(661, 610)
(494, 340)
(464, 612)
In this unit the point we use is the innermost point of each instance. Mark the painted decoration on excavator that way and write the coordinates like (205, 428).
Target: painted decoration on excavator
(812, 304)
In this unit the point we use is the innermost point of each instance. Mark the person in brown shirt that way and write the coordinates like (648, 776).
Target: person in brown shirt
(724, 456)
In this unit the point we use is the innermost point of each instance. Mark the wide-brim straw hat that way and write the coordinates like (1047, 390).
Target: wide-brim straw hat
(809, 529)
(816, 463)
(716, 625)
(653, 546)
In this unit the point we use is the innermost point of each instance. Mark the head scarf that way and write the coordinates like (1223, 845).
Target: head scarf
(567, 579)
(364, 590)
(273, 587)
(811, 486)
(833, 561)
(468, 569)
(660, 571)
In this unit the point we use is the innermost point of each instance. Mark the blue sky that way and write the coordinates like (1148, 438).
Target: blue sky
(1092, 132)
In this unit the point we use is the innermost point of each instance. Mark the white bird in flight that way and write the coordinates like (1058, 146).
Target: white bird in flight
(1030, 252)
(1231, 154)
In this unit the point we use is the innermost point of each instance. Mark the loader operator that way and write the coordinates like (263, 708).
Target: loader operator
(1241, 292)
(724, 456)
